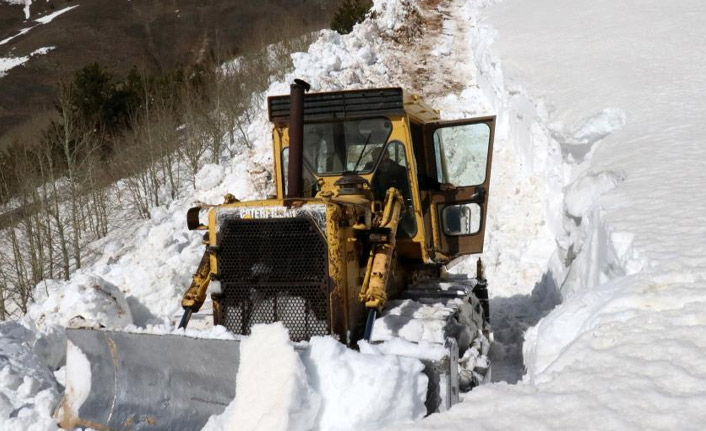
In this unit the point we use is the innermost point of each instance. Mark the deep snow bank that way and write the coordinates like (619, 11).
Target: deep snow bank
(625, 222)
(28, 389)
(273, 393)
(324, 386)
(596, 96)
(364, 391)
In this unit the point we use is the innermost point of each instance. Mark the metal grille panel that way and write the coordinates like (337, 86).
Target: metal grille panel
(341, 104)
(274, 270)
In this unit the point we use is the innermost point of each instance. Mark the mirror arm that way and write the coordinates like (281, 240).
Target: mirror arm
(479, 196)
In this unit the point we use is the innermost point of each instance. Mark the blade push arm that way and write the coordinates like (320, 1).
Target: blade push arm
(374, 290)
(195, 295)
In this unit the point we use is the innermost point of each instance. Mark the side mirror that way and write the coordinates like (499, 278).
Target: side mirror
(461, 219)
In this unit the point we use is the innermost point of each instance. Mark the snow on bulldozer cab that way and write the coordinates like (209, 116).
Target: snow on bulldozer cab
(374, 195)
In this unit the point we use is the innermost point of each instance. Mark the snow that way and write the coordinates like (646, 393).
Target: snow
(87, 301)
(363, 392)
(399, 346)
(7, 63)
(28, 390)
(49, 18)
(272, 391)
(601, 109)
(150, 273)
(325, 387)
(78, 372)
(43, 20)
(22, 31)
(413, 321)
(10, 62)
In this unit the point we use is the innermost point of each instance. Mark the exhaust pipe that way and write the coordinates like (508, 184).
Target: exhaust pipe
(296, 138)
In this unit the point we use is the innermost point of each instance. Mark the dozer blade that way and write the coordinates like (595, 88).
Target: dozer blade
(146, 382)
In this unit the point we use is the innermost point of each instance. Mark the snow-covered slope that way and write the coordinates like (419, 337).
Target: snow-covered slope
(602, 99)
(595, 201)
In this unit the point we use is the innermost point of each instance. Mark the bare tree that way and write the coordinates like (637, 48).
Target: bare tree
(196, 137)
(166, 130)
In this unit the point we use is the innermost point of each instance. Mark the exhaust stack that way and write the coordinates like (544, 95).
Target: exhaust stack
(296, 138)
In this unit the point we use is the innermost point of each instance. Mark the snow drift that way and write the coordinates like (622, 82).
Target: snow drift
(325, 387)
(28, 389)
(272, 391)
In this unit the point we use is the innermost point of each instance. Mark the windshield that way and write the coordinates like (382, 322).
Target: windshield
(335, 147)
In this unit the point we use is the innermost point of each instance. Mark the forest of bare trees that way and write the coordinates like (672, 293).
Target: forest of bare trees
(66, 176)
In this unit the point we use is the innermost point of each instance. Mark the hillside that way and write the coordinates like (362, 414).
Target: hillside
(154, 36)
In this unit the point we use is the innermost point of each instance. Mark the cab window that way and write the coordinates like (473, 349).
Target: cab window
(462, 154)
(335, 147)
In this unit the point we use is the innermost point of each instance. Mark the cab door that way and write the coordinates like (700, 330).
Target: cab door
(462, 151)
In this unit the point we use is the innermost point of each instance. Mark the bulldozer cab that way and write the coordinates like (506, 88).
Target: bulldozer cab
(393, 139)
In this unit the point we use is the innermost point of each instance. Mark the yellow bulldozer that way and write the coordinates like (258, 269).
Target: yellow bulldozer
(375, 195)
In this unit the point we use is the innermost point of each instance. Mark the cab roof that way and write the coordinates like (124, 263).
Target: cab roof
(336, 105)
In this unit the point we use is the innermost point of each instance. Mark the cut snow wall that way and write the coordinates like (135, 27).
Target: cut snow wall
(589, 252)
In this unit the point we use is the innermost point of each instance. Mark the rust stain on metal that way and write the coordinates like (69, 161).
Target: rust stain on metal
(114, 357)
